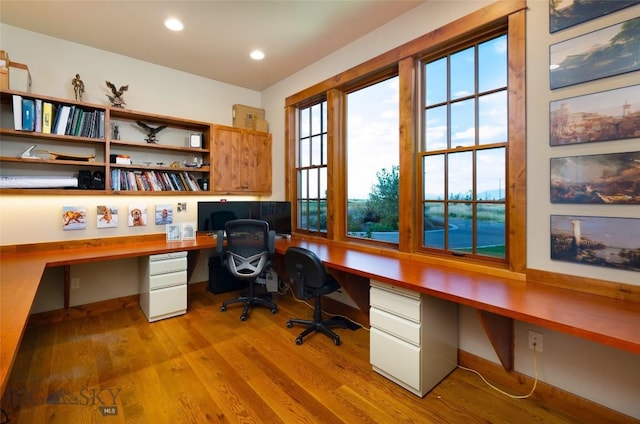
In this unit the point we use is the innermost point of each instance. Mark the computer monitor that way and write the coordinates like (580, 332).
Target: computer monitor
(213, 215)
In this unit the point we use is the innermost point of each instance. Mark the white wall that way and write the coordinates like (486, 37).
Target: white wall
(605, 375)
(31, 219)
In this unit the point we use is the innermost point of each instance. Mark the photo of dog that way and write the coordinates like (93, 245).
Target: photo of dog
(137, 216)
(107, 216)
(74, 218)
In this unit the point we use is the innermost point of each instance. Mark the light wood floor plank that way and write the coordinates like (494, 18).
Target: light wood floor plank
(209, 367)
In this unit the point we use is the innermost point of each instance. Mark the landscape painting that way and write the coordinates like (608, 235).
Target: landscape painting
(567, 13)
(601, 241)
(599, 54)
(603, 116)
(612, 178)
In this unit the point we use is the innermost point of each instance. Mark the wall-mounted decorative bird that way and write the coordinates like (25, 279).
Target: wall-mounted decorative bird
(117, 100)
(151, 132)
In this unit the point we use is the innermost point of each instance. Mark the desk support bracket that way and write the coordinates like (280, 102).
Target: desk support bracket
(500, 331)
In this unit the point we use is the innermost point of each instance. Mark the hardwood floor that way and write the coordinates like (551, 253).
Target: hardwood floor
(208, 366)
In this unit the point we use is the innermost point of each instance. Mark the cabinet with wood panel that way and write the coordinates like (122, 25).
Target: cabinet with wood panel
(241, 161)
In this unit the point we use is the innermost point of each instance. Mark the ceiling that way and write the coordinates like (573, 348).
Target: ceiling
(218, 35)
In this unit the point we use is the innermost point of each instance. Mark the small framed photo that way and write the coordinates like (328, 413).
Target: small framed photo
(173, 232)
(195, 140)
(188, 231)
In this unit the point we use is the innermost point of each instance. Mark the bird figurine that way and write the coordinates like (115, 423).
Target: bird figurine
(117, 100)
(151, 132)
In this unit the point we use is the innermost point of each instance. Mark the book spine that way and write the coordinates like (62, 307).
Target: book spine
(47, 116)
(38, 124)
(80, 123)
(61, 125)
(28, 114)
(67, 128)
(101, 125)
(17, 112)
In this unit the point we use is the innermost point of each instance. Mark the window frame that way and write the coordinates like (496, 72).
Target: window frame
(423, 152)
(405, 60)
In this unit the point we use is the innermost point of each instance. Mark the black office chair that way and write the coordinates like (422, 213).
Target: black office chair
(250, 245)
(311, 279)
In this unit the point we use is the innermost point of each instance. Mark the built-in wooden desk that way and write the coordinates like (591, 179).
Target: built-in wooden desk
(20, 275)
(499, 300)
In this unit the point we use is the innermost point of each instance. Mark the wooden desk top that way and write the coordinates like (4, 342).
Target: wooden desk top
(20, 275)
(602, 319)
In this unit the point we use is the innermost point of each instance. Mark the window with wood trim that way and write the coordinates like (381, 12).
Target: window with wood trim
(311, 168)
(464, 150)
(461, 131)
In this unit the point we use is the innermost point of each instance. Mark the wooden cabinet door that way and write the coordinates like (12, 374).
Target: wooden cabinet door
(225, 159)
(257, 147)
(241, 161)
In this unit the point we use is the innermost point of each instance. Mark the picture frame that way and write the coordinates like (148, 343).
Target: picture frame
(195, 140)
(601, 241)
(609, 178)
(598, 54)
(603, 116)
(173, 232)
(187, 231)
(566, 14)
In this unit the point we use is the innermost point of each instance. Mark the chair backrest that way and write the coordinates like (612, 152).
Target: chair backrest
(250, 245)
(305, 268)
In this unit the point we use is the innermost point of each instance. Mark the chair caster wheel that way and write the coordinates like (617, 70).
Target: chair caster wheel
(223, 308)
(274, 310)
(336, 341)
(243, 317)
(289, 324)
(298, 341)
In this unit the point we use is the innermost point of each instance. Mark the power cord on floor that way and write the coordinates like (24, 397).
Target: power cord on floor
(535, 382)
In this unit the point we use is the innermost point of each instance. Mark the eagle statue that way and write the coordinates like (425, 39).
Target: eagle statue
(151, 132)
(117, 100)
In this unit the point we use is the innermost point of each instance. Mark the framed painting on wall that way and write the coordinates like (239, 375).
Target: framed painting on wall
(604, 116)
(567, 13)
(612, 178)
(601, 241)
(599, 54)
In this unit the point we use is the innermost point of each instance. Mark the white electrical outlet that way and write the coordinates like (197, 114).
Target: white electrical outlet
(535, 341)
(75, 283)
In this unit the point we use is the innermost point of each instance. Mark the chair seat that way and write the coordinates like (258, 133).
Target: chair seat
(311, 279)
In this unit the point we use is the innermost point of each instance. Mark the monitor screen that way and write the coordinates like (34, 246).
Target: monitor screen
(213, 215)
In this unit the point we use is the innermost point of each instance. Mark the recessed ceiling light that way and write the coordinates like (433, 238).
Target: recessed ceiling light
(173, 24)
(257, 55)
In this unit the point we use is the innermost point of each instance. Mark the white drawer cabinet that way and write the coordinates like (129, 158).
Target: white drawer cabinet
(414, 337)
(163, 285)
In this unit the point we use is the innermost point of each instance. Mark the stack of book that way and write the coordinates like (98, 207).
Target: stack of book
(126, 180)
(57, 118)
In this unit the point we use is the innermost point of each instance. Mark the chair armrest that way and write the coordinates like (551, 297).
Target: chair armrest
(272, 242)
